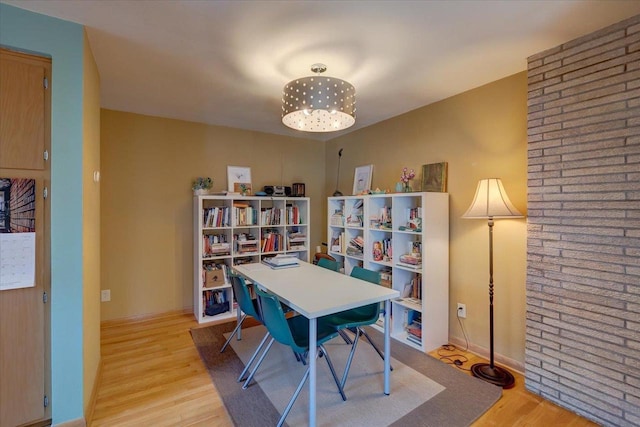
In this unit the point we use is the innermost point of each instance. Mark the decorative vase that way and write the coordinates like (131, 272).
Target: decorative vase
(399, 187)
(200, 191)
(406, 188)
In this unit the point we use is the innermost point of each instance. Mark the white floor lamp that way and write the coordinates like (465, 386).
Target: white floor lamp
(491, 202)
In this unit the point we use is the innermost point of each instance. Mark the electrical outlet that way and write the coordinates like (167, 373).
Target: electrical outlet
(105, 295)
(462, 310)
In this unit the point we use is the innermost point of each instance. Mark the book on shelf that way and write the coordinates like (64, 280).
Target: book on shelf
(296, 241)
(216, 217)
(215, 245)
(270, 216)
(245, 243)
(244, 214)
(337, 242)
(271, 241)
(415, 329)
(355, 247)
(337, 219)
(293, 215)
(413, 290)
(354, 219)
(414, 339)
(215, 302)
(381, 220)
(412, 259)
(409, 265)
(243, 260)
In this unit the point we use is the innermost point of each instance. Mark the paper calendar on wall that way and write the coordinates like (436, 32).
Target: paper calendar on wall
(17, 233)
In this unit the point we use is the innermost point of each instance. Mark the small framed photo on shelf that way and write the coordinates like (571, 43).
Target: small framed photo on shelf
(362, 179)
(434, 177)
(239, 179)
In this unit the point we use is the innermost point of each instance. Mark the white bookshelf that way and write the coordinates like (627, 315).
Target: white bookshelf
(385, 218)
(229, 230)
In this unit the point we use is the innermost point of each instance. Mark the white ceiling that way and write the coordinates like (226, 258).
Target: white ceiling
(225, 62)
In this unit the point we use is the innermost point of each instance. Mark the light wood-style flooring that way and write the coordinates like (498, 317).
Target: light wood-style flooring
(151, 375)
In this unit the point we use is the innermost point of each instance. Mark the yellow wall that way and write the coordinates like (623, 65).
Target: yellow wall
(90, 223)
(481, 133)
(148, 164)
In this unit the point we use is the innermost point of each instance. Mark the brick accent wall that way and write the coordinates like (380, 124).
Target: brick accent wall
(583, 249)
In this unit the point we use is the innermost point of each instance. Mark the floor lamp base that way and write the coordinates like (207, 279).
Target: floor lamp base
(496, 375)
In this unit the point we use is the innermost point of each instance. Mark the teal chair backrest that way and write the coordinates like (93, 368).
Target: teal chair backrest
(371, 311)
(364, 274)
(241, 292)
(275, 321)
(328, 264)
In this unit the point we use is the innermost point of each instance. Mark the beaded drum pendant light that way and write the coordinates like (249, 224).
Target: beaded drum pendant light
(318, 103)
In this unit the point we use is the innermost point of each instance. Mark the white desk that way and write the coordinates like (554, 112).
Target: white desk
(314, 292)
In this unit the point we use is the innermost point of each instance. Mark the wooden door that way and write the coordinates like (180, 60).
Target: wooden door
(22, 110)
(24, 315)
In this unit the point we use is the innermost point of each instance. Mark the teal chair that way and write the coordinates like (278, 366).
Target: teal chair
(294, 332)
(355, 318)
(249, 307)
(329, 264)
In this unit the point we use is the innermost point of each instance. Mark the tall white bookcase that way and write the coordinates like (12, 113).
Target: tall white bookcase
(378, 232)
(230, 230)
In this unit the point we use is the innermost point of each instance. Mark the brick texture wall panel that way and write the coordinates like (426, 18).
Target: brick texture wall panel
(583, 250)
(593, 114)
(604, 100)
(625, 60)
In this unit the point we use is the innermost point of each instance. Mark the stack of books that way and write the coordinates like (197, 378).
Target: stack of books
(356, 246)
(414, 327)
(281, 261)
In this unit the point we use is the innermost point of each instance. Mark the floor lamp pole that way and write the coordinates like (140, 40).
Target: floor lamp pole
(489, 372)
(338, 192)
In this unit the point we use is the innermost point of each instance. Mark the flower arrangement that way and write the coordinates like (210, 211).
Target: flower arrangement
(201, 184)
(406, 176)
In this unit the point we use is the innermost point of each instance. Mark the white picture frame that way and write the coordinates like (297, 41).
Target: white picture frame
(362, 179)
(237, 176)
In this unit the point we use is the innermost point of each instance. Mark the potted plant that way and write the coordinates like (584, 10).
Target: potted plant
(202, 185)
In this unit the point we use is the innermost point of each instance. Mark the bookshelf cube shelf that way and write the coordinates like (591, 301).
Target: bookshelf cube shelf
(404, 236)
(231, 230)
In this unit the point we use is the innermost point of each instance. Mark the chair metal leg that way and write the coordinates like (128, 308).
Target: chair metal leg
(255, 368)
(375, 347)
(255, 354)
(345, 337)
(293, 398)
(235, 331)
(349, 360)
(286, 411)
(333, 371)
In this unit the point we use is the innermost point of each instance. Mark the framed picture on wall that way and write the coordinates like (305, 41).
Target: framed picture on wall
(434, 177)
(362, 179)
(239, 179)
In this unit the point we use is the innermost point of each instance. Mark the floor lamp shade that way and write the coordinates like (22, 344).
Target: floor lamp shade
(491, 201)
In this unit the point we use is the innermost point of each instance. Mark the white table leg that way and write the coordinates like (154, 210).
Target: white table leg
(313, 351)
(238, 318)
(387, 347)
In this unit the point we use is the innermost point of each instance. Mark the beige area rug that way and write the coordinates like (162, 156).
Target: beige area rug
(280, 374)
(424, 391)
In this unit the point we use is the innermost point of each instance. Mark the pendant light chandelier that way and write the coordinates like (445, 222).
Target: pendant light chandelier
(318, 103)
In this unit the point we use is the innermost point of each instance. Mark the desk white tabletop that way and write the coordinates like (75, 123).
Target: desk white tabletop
(315, 291)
